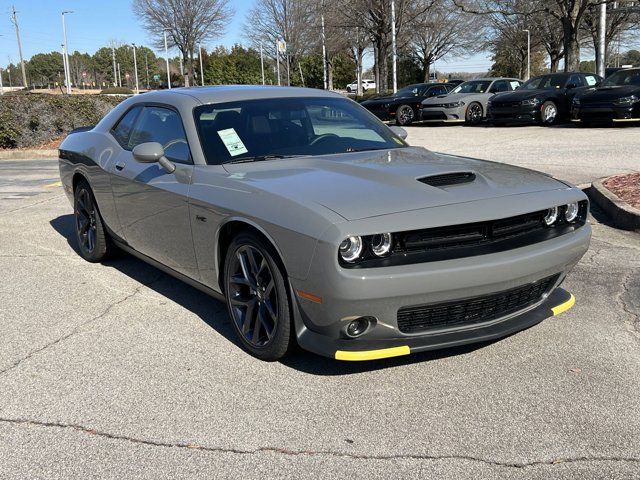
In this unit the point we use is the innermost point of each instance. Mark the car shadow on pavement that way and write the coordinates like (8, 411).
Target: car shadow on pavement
(214, 313)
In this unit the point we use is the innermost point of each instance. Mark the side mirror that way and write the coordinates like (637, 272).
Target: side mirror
(152, 152)
(399, 131)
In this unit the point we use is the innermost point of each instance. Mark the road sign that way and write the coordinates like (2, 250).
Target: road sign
(156, 77)
(282, 46)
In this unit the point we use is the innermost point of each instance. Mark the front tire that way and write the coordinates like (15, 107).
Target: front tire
(93, 241)
(474, 114)
(404, 115)
(348, 89)
(549, 113)
(257, 298)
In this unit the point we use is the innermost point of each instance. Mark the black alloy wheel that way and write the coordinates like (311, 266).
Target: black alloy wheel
(404, 115)
(257, 298)
(474, 113)
(93, 241)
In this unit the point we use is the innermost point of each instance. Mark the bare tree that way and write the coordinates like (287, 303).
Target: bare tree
(270, 21)
(619, 26)
(187, 22)
(374, 18)
(443, 30)
(548, 31)
(569, 13)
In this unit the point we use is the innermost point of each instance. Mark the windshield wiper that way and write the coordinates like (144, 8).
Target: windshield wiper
(258, 158)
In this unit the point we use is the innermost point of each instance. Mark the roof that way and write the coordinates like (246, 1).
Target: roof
(230, 93)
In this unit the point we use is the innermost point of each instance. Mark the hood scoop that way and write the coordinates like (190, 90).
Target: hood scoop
(446, 179)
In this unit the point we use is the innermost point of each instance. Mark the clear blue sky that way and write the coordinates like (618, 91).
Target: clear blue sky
(96, 22)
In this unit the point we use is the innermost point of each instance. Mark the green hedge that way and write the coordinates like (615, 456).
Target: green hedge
(36, 119)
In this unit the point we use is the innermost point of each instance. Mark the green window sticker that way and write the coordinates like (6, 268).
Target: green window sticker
(232, 141)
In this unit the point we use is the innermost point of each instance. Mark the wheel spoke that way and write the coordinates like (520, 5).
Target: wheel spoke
(250, 317)
(245, 269)
(255, 334)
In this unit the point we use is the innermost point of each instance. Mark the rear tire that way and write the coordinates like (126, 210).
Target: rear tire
(348, 89)
(257, 298)
(549, 113)
(93, 240)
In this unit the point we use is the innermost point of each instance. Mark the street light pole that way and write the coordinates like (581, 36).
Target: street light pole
(66, 53)
(394, 53)
(528, 54)
(201, 69)
(602, 32)
(1, 85)
(135, 67)
(14, 20)
(324, 55)
(166, 57)
(262, 63)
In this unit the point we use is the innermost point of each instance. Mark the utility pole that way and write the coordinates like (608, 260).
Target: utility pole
(146, 67)
(1, 85)
(119, 76)
(66, 52)
(324, 54)
(166, 58)
(14, 20)
(135, 67)
(394, 52)
(262, 63)
(278, 59)
(528, 54)
(115, 70)
(201, 70)
(602, 32)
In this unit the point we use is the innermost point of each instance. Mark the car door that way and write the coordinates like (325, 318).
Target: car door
(574, 85)
(151, 203)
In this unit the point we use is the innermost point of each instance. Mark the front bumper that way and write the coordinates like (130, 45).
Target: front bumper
(514, 114)
(605, 113)
(345, 294)
(442, 115)
(557, 302)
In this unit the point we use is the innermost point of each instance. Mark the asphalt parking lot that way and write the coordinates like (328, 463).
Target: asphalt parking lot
(116, 370)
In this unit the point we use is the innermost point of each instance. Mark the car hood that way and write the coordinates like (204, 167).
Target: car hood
(604, 94)
(450, 98)
(368, 184)
(379, 100)
(520, 95)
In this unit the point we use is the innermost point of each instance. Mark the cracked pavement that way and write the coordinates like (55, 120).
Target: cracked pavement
(116, 370)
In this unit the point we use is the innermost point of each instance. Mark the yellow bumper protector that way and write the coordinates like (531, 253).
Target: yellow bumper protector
(563, 307)
(372, 354)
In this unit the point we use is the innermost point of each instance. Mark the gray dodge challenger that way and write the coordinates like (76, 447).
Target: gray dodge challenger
(319, 225)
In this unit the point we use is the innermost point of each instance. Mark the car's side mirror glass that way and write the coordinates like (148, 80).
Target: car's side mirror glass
(399, 131)
(152, 152)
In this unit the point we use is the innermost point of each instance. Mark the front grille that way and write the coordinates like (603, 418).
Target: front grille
(471, 234)
(427, 115)
(421, 318)
(505, 104)
(446, 179)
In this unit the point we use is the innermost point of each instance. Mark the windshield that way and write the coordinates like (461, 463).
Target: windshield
(289, 127)
(545, 82)
(623, 77)
(474, 86)
(409, 91)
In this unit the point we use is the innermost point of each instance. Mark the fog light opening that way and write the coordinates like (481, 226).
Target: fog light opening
(359, 326)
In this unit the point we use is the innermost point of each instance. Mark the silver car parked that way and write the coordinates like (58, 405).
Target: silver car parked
(319, 225)
(467, 102)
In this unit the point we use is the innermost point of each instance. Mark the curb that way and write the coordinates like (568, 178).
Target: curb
(27, 154)
(622, 214)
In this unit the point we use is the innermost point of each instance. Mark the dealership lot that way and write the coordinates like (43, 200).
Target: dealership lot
(119, 371)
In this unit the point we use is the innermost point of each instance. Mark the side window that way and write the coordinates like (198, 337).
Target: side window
(500, 86)
(162, 125)
(433, 91)
(514, 84)
(122, 130)
(575, 80)
(592, 81)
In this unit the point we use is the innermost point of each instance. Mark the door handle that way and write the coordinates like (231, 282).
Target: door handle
(120, 166)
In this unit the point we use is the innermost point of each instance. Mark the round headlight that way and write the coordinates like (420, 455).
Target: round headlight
(551, 216)
(381, 244)
(571, 212)
(351, 248)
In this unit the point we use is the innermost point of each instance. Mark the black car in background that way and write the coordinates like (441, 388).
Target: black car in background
(617, 99)
(404, 105)
(545, 99)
